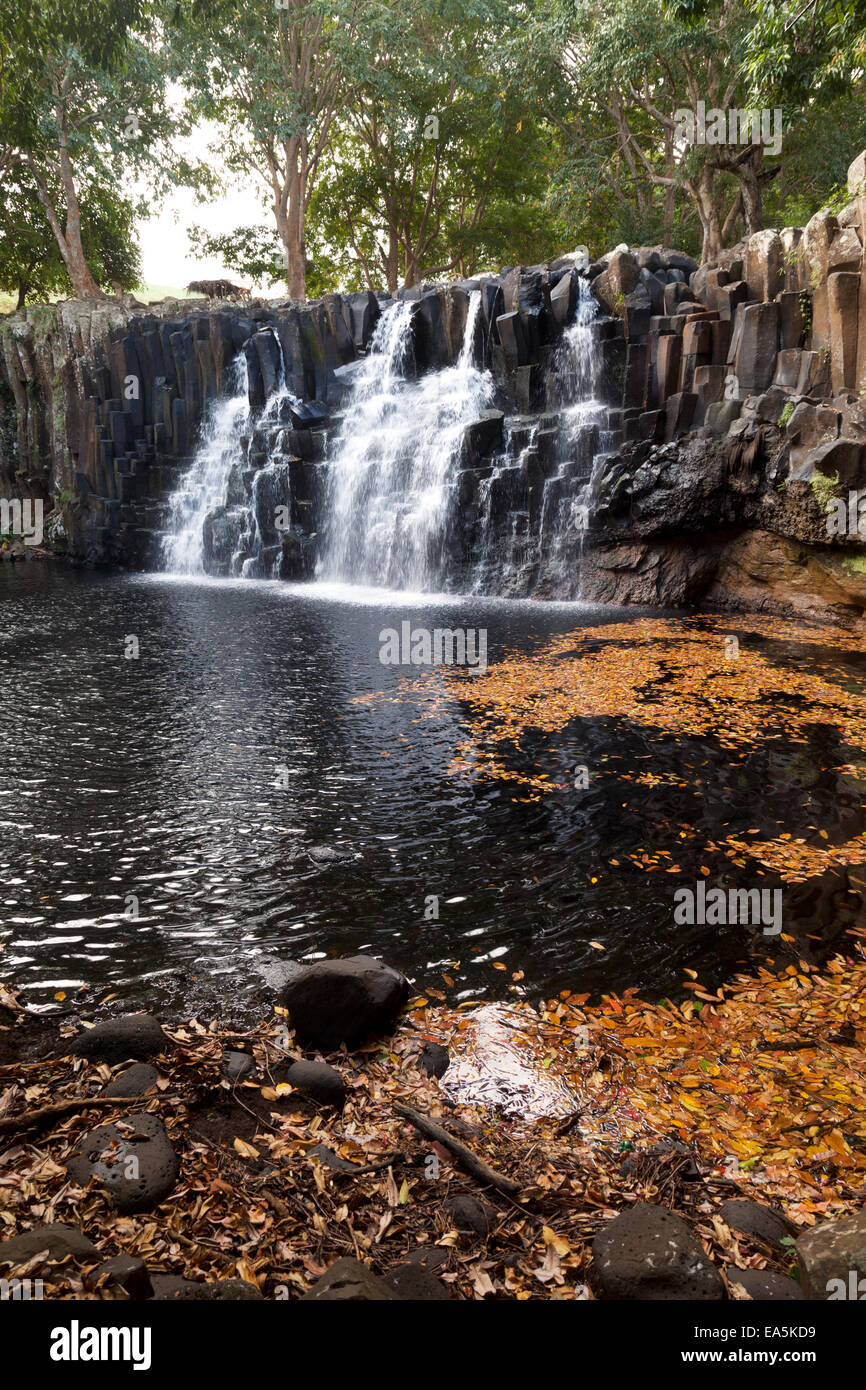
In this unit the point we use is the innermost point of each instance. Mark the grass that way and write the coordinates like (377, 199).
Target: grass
(147, 293)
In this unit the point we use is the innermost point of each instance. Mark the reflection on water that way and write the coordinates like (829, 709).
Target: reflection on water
(171, 825)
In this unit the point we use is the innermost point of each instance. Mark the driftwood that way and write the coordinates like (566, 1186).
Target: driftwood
(32, 1119)
(470, 1161)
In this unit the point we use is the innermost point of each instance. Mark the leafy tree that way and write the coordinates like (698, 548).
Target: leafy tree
(31, 265)
(253, 251)
(82, 101)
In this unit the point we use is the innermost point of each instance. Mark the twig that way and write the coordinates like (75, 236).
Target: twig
(474, 1165)
(32, 1119)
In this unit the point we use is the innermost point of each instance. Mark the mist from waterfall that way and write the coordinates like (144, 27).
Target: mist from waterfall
(392, 466)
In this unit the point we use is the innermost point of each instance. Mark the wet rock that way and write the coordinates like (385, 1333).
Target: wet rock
(649, 1253)
(172, 1288)
(764, 1285)
(237, 1066)
(754, 1219)
(135, 1081)
(349, 1281)
(317, 1080)
(412, 1282)
(344, 1001)
(433, 1059)
(832, 1258)
(58, 1239)
(124, 1272)
(468, 1214)
(133, 1159)
(132, 1037)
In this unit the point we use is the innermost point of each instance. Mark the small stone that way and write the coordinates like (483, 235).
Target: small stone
(332, 1160)
(135, 1081)
(413, 1282)
(764, 1284)
(130, 1038)
(59, 1240)
(349, 1281)
(238, 1065)
(133, 1159)
(433, 1059)
(754, 1219)
(468, 1214)
(125, 1272)
(172, 1288)
(317, 1080)
(649, 1253)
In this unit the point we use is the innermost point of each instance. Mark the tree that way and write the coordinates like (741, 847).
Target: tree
(253, 251)
(30, 261)
(82, 99)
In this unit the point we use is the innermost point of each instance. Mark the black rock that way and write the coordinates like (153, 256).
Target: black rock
(675, 1153)
(132, 1037)
(411, 1281)
(468, 1214)
(428, 1256)
(237, 1065)
(318, 1080)
(649, 1253)
(433, 1059)
(132, 1158)
(172, 1288)
(125, 1272)
(57, 1239)
(754, 1219)
(343, 1001)
(332, 1160)
(765, 1284)
(137, 1079)
(349, 1281)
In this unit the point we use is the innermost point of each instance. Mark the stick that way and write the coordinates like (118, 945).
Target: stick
(476, 1166)
(33, 1118)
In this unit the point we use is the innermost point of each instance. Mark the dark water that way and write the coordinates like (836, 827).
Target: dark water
(157, 779)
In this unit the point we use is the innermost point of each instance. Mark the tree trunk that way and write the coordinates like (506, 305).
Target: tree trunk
(22, 294)
(68, 238)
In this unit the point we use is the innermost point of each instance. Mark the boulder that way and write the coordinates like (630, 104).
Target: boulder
(412, 1282)
(809, 427)
(833, 1252)
(237, 1066)
(344, 1001)
(619, 279)
(133, 1159)
(468, 1214)
(649, 1253)
(433, 1059)
(132, 1037)
(59, 1240)
(845, 251)
(135, 1081)
(349, 1281)
(764, 1285)
(127, 1273)
(317, 1080)
(754, 1219)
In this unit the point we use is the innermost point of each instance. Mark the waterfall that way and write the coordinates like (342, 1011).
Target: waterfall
(204, 487)
(392, 467)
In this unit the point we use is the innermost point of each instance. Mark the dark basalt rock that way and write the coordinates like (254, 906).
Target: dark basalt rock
(317, 1080)
(754, 1219)
(58, 1239)
(764, 1285)
(132, 1037)
(468, 1214)
(238, 1065)
(133, 1159)
(349, 1281)
(433, 1059)
(125, 1272)
(172, 1288)
(649, 1253)
(411, 1281)
(135, 1081)
(343, 1001)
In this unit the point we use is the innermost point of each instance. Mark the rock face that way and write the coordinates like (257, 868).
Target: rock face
(832, 1259)
(649, 1253)
(343, 1001)
(133, 1160)
(134, 1036)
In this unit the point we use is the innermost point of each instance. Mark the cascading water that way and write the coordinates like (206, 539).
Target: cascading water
(392, 467)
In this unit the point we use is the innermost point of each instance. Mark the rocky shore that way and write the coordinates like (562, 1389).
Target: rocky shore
(361, 1144)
